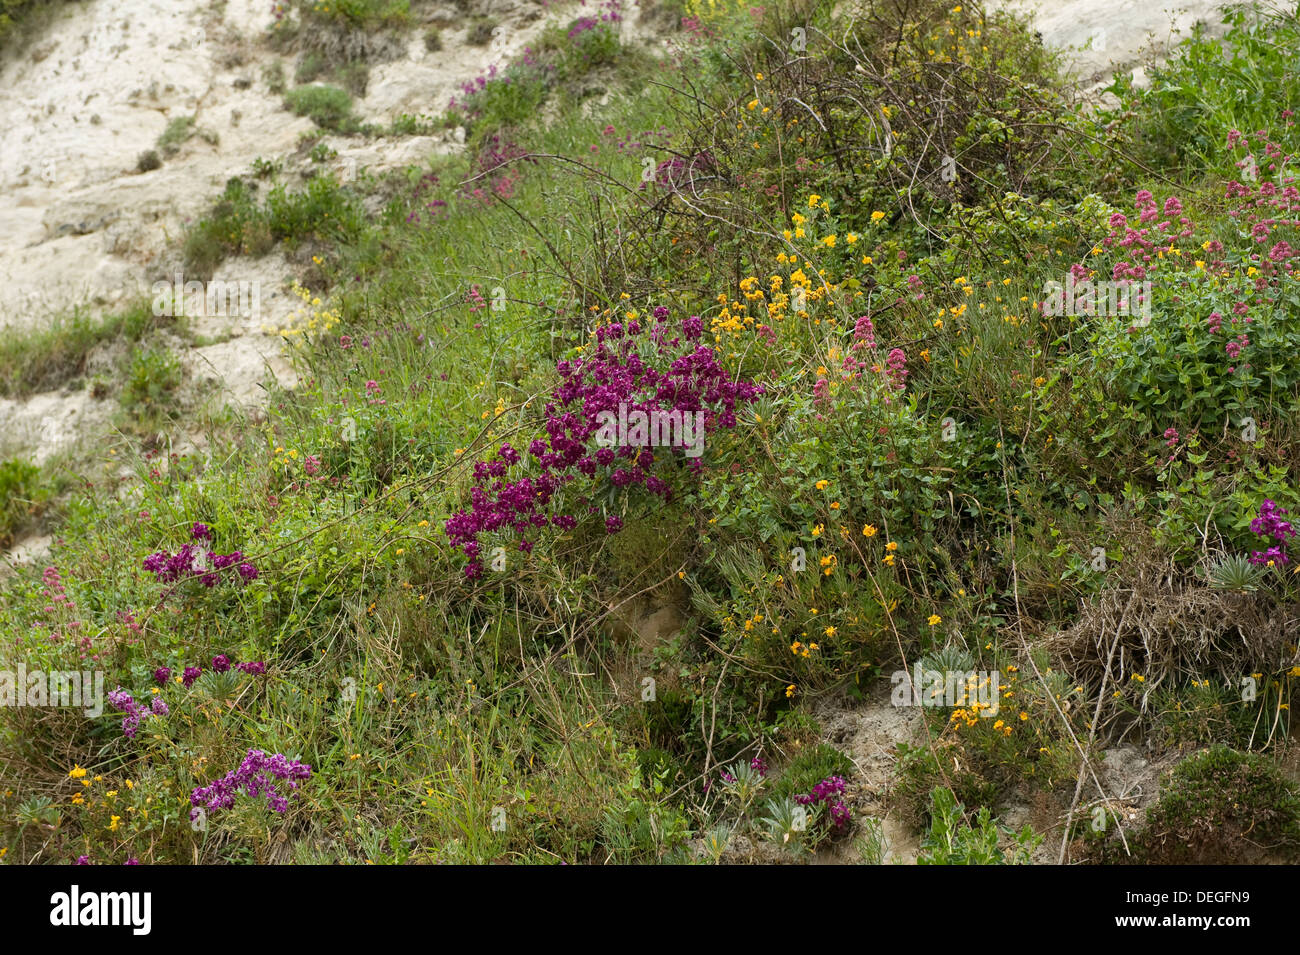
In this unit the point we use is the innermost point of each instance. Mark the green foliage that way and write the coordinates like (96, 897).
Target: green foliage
(1235, 572)
(19, 16)
(480, 31)
(953, 841)
(1221, 806)
(329, 107)
(811, 767)
(148, 161)
(1240, 81)
(239, 224)
(642, 826)
(174, 136)
(361, 15)
(24, 492)
(149, 389)
(56, 355)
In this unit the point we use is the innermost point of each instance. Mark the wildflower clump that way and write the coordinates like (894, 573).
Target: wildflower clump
(653, 370)
(193, 561)
(135, 712)
(828, 792)
(1270, 526)
(256, 776)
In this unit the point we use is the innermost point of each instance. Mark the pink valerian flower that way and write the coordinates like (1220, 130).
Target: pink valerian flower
(896, 362)
(821, 391)
(1171, 435)
(311, 464)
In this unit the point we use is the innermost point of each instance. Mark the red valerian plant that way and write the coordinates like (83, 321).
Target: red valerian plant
(632, 371)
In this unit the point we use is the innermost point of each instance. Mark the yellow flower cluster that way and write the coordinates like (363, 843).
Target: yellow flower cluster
(308, 320)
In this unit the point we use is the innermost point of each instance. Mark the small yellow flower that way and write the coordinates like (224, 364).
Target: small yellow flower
(934, 619)
(789, 691)
(822, 485)
(830, 631)
(891, 546)
(868, 530)
(77, 772)
(877, 216)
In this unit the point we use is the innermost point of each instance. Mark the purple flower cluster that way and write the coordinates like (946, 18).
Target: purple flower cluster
(135, 712)
(221, 663)
(615, 375)
(257, 775)
(193, 561)
(1269, 525)
(613, 14)
(828, 791)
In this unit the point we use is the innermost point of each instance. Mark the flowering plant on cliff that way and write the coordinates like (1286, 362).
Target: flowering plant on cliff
(257, 775)
(194, 560)
(643, 395)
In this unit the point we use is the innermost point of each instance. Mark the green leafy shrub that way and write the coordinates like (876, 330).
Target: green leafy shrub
(174, 136)
(1221, 806)
(953, 841)
(148, 391)
(329, 107)
(23, 496)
